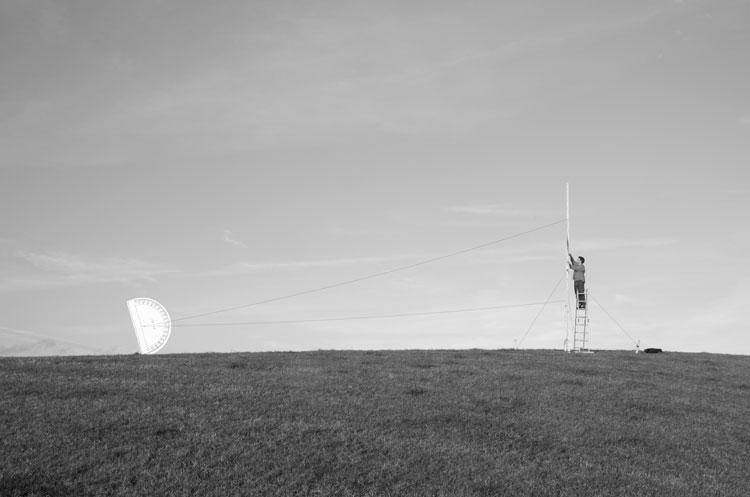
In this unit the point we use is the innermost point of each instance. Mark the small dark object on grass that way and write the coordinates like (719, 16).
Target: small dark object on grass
(652, 351)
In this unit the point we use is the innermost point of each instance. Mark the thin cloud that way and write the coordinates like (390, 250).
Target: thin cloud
(548, 251)
(745, 120)
(538, 252)
(62, 269)
(229, 237)
(619, 243)
(33, 343)
(726, 308)
(623, 299)
(255, 267)
(495, 210)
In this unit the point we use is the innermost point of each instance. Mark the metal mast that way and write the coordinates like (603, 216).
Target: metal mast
(567, 268)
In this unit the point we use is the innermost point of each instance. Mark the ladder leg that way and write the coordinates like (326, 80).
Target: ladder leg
(580, 328)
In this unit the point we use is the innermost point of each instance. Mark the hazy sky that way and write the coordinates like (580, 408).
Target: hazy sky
(214, 154)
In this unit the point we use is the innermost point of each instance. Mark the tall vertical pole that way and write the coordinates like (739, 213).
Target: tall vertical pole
(567, 218)
(567, 268)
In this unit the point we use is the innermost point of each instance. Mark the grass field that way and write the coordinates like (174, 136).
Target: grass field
(395, 423)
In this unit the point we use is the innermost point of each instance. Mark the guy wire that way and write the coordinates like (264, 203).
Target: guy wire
(363, 278)
(353, 318)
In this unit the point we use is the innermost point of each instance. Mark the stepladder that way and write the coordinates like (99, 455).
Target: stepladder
(581, 324)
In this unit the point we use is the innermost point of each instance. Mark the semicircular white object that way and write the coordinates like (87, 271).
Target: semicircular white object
(151, 323)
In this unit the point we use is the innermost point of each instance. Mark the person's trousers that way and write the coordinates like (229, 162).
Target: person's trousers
(579, 287)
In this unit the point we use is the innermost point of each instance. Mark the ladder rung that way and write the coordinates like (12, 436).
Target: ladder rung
(580, 329)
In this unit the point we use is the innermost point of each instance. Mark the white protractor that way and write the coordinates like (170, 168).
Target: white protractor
(151, 323)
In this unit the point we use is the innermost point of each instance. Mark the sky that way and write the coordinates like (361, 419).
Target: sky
(213, 155)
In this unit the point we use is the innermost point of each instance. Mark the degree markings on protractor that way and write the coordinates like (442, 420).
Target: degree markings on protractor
(151, 323)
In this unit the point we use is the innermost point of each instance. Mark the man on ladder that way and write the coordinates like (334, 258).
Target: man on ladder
(579, 279)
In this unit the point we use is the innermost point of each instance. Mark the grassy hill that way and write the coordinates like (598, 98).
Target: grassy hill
(395, 423)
